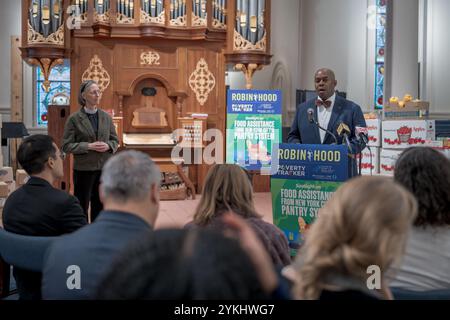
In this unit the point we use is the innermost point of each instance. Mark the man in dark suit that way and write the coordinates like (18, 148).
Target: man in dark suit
(129, 189)
(330, 111)
(37, 208)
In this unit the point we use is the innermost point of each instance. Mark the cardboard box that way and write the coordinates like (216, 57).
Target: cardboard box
(21, 177)
(401, 134)
(4, 189)
(445, 142)
(374, 128)
(6, 174)
(11, 187)
(388, 157)
(366, 163)
(411, 110)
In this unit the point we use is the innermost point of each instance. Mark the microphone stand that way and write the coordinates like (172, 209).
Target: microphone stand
(323, 129)
(360, 163)
(349, 146)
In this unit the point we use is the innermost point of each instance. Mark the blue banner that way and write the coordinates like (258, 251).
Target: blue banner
(253, 127)
(310, 162)
(254, 102)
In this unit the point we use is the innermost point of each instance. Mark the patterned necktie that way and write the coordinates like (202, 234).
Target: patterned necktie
(326, 103)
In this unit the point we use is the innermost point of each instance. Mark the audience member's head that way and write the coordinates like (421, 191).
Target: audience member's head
(85, 89)
(365, 223)
(191, 264)
(130, 182)
(39, 154)
(426, 173)
(227, 188)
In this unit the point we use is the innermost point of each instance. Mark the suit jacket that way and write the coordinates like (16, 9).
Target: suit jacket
(39, 209)
(92, 249)
(78, 133)
(348, 112)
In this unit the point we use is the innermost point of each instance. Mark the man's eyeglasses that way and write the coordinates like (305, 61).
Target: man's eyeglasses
(62, 155)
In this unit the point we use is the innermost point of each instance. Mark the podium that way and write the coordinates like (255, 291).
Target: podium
(303, 178)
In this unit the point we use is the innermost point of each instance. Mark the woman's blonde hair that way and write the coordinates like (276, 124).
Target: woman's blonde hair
(366, 222)
(227, 187)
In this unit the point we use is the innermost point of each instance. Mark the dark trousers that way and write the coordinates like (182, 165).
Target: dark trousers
(86, 185)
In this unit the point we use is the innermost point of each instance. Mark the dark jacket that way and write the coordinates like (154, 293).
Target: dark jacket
(78, 133)
(348, 112)
(92, 249)
(38, 209)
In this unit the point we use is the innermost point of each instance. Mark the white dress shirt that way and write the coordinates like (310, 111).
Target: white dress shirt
(324, 115)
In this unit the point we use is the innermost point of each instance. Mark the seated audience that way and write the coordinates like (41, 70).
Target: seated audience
(37, 208)
(129, 191)
(228, 188)
(365, 223)
(193, 264)
(426, 263)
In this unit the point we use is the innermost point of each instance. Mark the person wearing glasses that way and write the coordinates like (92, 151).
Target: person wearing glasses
(90, 135)
(37, 208)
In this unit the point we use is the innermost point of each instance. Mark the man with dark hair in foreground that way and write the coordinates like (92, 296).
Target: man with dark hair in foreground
(37, 208)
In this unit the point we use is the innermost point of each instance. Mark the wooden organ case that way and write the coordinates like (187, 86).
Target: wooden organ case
(157, 62)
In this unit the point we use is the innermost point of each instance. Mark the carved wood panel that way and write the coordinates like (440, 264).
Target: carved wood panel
(160, 101)
(168, 68)
(92, 60)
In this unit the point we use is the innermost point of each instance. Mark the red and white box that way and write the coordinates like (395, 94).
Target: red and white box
(401, 134)
(374, 128)
(367, 164)
(388, 158)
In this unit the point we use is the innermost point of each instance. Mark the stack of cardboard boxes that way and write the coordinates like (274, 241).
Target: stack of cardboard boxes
(400, 128)
(8, 185)
(398, 135)
(371, 158)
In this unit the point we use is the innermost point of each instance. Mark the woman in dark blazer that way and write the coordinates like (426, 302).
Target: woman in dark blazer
(91, 136)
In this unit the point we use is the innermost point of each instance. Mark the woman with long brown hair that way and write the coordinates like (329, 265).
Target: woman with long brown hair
(228, 188)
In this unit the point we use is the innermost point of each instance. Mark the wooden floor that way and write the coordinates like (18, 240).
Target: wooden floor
(175, 214)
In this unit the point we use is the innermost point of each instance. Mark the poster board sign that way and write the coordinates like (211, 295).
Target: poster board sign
(303, 178)
(253, 127)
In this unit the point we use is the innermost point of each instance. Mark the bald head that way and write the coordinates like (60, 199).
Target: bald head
(325, 71)
(325, 83)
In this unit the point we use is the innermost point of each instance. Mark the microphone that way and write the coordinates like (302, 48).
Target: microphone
(311, 119)
(363, 134)
(343, 131)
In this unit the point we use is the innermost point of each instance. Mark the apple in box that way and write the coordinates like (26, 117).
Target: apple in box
(401, 134)
(388, 158)
(374, 128)
(366, 163)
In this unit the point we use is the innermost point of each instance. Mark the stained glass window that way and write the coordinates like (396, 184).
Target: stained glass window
(59, 84)
(380, 53)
